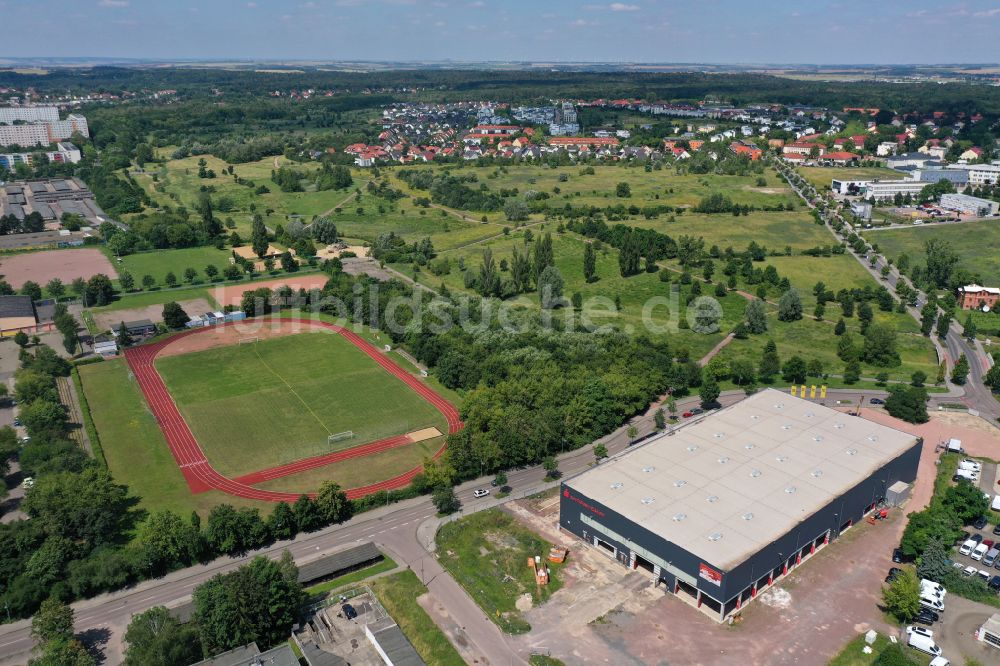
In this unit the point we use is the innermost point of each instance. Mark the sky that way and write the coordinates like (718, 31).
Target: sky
(662, 31)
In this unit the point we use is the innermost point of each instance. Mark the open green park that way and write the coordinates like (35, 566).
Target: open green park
(970, 240)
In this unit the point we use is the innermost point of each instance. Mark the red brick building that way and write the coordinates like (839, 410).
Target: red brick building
(974, 297)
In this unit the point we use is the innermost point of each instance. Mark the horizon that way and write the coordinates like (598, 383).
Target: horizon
(849, 33)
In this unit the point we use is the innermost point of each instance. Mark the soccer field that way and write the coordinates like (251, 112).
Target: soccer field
(262, 404)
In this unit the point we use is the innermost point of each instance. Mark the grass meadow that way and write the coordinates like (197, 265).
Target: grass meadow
(971, 240)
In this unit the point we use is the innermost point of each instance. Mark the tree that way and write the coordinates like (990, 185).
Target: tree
(500, 480)
(190, 274)
(87, 506)
(174, 315)
(21, 339)
(551, 467)
(992, 378)
(908, 403)
(933, 563)
(282, 522)
(52, 622)
(794, 370)
(211, 271)
(708, 392)
(516, 210)
(124, 337)
(589, 262)
(880, 346)
(324, 231)
(167, 540)
(489, 278)
(659, 420)
(445, 500)
(126, 281)
(756, 317)
(333, 504)
(902, 596)
(631, 432)
(790, 306)
(550, 287)
(943, 324)
(865, 316)
(969, 328)
(99, 290)
(960, 372)
(170, 279)
(852, 372)
(840, 327)
(56, 288)
(966, 501)
(258, 236)
(928, 315)
(288, 262)
(32, 290)
(623, 190)
(307, 516)
(157, 638)
(770, 364)
(941, 262)
(600, 452)
(927, 525)
(259, 602)
(148, 281)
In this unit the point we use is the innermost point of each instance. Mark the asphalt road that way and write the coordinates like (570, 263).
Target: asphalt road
(973, 393)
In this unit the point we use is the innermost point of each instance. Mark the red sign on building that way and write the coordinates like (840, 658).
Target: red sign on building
(710, 574)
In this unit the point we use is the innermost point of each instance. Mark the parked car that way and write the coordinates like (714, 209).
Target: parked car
(893, 574)
(995, 583)
(877, 401)
(980, 523)
(971, 464)
(687, 415)
(697, 410)
(897, 555)
(349, 611)
(978, 538)
(979, 552)
(985, 575)
(480, 492)
(989, 542)
(996, 530)
(969, 571)
(922, 639)
(17, 422)
(926, 616)
(967, 547)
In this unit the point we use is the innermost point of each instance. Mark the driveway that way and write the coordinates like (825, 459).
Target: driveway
(956, 632)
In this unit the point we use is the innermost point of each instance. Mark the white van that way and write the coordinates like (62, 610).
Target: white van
(967, 474)
(939, 661)
(933, 602)
(990, 558)
(979, 551)
(971, 465)
(996, 503)
(955, 446)
(967, 547)
(930, 586)
(922, 640)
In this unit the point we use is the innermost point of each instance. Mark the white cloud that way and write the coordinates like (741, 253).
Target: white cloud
(622, 7)
(113, 3)
(988, 13)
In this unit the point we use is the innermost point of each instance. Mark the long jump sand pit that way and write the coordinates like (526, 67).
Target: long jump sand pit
(232, 294)
(67, 265)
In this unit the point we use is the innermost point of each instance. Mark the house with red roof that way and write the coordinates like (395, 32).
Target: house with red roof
(751, 151)
(840, 158)
(803, 148)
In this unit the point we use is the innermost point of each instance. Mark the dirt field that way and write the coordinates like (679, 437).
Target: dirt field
(231, 294)
(105, 320)
(979, 438)
(67, 265)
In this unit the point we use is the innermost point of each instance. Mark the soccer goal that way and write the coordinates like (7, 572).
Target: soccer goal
(340, 436)
(248, 341)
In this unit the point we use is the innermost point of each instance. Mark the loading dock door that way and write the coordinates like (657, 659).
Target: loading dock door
(606, 546)
(642, 563)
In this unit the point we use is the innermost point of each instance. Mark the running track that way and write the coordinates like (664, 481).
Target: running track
(200, 474)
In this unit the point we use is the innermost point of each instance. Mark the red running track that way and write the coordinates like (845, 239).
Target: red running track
(200, 474)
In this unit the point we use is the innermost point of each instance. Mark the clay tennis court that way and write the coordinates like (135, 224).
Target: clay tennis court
(67, 265)
(199, 472)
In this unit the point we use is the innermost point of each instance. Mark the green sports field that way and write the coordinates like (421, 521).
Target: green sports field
(258, 405)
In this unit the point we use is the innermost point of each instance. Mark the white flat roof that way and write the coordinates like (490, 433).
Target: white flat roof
(726, 486)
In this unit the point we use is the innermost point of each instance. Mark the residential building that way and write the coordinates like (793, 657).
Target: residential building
(43, 133)
(803, 148)
(887, 189)
(28, 114)
(968, 205)
(840, 158)
(721, 509)
(978, 297)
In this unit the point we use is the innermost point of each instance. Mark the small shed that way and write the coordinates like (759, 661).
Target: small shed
(897, 494)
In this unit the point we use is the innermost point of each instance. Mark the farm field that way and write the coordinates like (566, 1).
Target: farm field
(820, 177)
(262, 404)
(134, 447)
(968, 239)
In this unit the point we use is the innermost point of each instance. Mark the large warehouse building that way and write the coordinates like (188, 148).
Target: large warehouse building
(720, 509)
